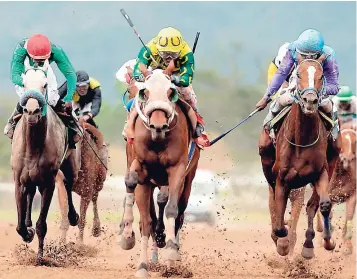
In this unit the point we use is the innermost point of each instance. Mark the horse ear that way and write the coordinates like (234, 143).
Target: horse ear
(322, 58)
(170, 68)
(46, 65)
(299, 58)
(143, 69)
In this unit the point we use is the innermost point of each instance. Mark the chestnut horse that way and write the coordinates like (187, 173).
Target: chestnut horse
(158, 157)
(342, 186)
(301, 158)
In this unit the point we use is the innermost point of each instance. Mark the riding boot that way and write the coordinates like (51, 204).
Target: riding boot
(200, 134)
(69, 122)
(12, 121)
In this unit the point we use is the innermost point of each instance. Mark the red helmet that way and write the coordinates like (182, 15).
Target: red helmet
(39, 47)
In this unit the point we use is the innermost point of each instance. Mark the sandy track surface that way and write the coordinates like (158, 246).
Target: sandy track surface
(243, 250)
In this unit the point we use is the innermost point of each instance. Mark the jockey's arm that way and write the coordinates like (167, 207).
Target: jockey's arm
(66, 68)
(280, 75)
(186, 70)
(143, 58)
(96, 102)
(17, 64)
(331, 73)
(62, 90)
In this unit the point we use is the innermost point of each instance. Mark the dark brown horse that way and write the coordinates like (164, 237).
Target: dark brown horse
(300, 158)
(90, 180)
(38, 152)
(158, 157)
(342, 186)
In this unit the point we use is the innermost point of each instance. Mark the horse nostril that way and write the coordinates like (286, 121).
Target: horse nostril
(305, 100)
(315, 102)
(152, 126)
(165, 127)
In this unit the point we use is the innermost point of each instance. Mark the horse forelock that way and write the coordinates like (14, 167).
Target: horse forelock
(158, 82)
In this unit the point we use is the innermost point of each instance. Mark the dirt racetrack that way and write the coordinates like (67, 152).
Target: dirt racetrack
(233, 249)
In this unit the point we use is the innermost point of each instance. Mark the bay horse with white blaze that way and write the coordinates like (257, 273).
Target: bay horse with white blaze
(159, 156)
(301, 157)
(38, 152)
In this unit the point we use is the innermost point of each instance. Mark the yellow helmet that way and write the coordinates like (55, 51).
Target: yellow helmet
(169, 39)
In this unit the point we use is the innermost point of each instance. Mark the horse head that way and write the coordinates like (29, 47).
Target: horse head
(348, 149)
(158, 101)
(33, 99)
(310, 84)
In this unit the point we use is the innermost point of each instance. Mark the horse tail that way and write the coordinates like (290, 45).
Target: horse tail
(96, 133)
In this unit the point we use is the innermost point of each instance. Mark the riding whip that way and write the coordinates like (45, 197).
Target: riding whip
(126, 16)
(240, 123)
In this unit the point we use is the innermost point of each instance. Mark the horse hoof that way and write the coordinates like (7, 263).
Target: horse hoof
(307, 253)
(96, 232)
(170, 252)
(155, 257)
(283, 246)
(127, 243)
(329, 245)
(160, 240)
(142, 271)
(30, 236)
(73, 222)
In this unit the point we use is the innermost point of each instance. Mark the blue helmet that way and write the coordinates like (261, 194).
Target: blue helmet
(310, 42)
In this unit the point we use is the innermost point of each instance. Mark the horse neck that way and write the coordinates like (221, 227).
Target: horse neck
(302, 129)
(35, 136)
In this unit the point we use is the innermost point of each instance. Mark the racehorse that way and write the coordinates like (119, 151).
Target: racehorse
(39, 150)
(159, 156)
(90, 180)
(301, 157)
(342, 186)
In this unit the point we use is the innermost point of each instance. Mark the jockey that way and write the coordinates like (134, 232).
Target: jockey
(345, 104)
(309, 45)
(166, 46)
(87, 99)
(36, 50)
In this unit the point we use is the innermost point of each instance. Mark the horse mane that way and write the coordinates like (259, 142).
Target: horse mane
(96, 133)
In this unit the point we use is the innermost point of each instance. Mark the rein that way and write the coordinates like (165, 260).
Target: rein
(299, 145)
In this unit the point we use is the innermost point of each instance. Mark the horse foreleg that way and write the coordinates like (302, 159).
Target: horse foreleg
(184, 202)
(155, 252)
(127, 240)
(311, 209)
(82, 219)
(96, 222)
(70, 171)
(27, 234)
(143, 193)
(281, 199)
(176, 177)
(41, 225)
(162, 199)
(350, 211)
(297, 201)
(325, 207)
(63, 203)
(30, 196)
(272, 210)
